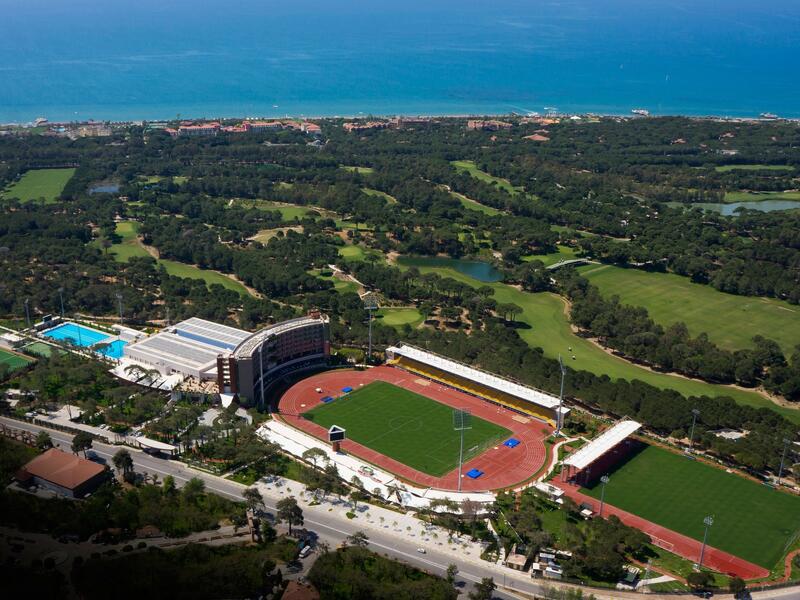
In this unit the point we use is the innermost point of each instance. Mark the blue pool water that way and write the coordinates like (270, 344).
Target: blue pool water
(85, 337)
(79, 335)
(114, 349)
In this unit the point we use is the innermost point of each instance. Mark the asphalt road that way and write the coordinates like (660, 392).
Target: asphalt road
(333, 529)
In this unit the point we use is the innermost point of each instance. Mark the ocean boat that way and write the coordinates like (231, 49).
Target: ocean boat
(642, 112)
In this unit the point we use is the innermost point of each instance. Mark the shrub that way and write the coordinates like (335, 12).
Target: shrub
(350, 514)
(127, 548)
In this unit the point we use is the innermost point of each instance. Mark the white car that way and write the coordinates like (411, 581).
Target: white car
(422, 550)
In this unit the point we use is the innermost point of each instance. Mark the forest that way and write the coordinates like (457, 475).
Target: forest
(297, 228)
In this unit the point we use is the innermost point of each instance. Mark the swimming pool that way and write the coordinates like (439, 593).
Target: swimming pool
(114, 349)
(86, 337)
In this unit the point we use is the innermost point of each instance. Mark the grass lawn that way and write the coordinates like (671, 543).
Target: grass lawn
(40, 183)
(210, 277)
(405, 426)
(760, 196)
(397, 317)
(564, 253)
(751, 521)
(289, 212)
(730, 321)
(13, 361)
(42, 349)
(389, 198)
(471, 168)
(471, 204)
(352, 252)
(356, 169)
(549, 329)
(132, 247)
(265, 235)
(726, 168)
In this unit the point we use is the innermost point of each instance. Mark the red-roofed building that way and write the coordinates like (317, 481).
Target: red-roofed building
(311, 129)
(66, 474)
(262, 125)
(198, 130)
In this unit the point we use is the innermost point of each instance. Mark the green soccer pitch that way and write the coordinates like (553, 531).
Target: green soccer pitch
(751, 521)
(405, 426)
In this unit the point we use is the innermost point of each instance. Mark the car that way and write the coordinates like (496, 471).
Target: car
(305, 551)
(422, 550)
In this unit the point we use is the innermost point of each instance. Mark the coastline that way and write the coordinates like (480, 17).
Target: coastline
(125, 117)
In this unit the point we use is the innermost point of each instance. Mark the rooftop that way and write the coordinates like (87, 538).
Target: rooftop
(482, 377)
(602, 444)
(66, 470)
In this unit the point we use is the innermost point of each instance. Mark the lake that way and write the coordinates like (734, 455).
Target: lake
(729, 210)
(476, 269)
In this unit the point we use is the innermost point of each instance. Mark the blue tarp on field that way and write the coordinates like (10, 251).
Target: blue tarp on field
(511, 443)
(347, 389)
(327, 399)
(474, 473)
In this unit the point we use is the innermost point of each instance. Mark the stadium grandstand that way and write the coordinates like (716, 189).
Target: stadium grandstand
(595, 458)
(474, 381)
(242, 363)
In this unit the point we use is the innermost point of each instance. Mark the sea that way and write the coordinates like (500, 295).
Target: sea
(160, 59)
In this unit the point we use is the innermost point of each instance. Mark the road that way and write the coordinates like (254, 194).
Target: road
(333, 527)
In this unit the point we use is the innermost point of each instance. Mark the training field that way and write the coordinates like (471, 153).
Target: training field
(751, 521)
(406, 426)
(13, 361)
(730, 321)
(40, 183)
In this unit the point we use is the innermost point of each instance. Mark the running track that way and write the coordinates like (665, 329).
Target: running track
(675, 542)
(503, 467)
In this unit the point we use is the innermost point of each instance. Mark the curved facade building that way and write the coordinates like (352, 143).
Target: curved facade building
(271, 353)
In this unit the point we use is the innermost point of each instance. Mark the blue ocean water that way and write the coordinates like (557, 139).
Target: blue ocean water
(126, 59)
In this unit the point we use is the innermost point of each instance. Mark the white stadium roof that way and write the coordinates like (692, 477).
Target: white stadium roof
(482, 377)
(601, 444)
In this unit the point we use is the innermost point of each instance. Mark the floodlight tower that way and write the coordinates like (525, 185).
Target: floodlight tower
(461, 422)
(61, 297)
(560, 415)
(370, 305)
(709, 521)
(695, 413)
(604, 480)
(786, 442)
(118, 296)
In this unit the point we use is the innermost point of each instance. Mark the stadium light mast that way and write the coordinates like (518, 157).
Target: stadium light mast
(560, 415)
(370, 304)
(61, 297)
(709, 521)
(461, 422)
(786, 442)
(118, 296)
(604, 480)
(695, 413)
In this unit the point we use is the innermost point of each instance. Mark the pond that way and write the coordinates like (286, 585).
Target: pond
(730, 209)
(104, 188)
(482, 271)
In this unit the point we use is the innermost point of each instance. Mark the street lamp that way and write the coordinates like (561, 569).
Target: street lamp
(695, 413)
(709, 521)
(604, 480)
(786, 442)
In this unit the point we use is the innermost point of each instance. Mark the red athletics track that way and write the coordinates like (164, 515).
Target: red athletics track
(502, 466)
(677, 543)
